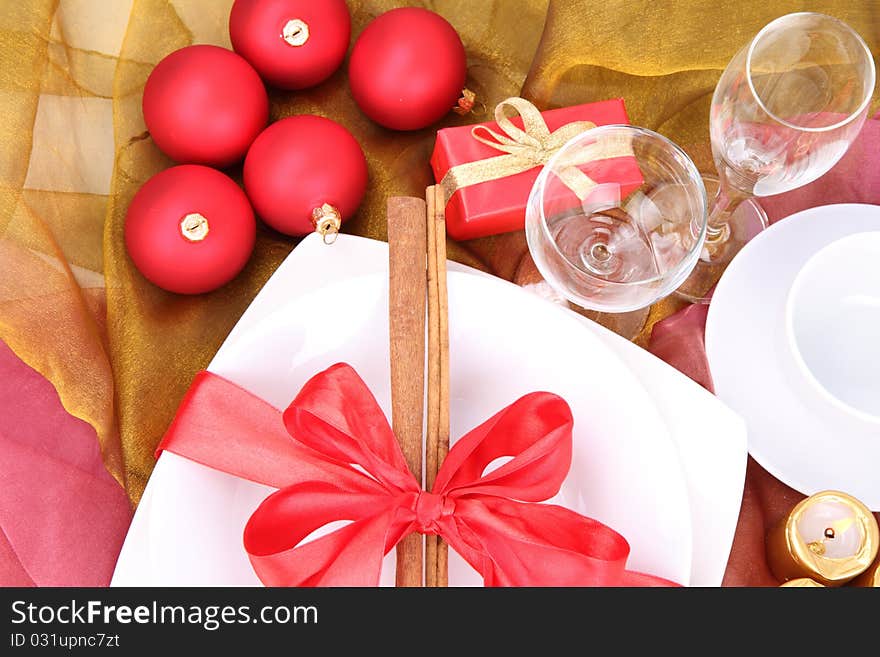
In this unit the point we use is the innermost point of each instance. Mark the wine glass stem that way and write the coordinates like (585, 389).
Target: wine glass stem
(723, 205)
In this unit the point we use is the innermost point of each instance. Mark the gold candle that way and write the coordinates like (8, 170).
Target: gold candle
(829, 537)
(803, 583)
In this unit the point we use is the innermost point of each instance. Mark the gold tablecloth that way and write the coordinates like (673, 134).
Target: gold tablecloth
(74, 149)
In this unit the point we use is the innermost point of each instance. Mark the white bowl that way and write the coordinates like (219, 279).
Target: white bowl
(832, 325)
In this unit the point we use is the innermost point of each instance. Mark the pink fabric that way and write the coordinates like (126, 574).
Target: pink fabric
(678, 339)
(62, 516)
(855, 179)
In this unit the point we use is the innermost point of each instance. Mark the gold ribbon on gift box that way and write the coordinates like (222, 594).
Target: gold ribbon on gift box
(531, 146)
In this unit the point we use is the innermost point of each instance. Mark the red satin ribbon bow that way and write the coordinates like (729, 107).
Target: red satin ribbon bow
(492, 520)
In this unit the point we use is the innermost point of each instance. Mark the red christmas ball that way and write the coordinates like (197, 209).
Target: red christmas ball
(205, 105)
(305, 173)
(407, 69)
(293, 44)
(190, 229)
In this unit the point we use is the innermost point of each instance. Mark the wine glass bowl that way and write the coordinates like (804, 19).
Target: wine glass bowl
(626, 239)
(784, 111)
(790, 103)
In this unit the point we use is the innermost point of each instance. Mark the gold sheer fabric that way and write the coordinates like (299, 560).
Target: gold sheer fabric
(75, 149)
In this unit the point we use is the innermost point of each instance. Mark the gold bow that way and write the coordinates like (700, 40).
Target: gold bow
(529, 147)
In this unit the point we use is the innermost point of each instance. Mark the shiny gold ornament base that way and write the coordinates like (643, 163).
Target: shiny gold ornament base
(295, 32)
(327, 221)
(466, 103)
(194, 227)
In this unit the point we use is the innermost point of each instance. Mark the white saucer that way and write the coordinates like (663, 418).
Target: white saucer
(748, 357)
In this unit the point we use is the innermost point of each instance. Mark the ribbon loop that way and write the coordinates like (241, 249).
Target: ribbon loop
(337, 415)
(534, 130)
(535, 431)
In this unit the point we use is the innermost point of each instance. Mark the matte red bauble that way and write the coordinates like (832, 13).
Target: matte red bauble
(293, 44)
(305, 173)
(190, 229)
(407, 69)
(205, 105)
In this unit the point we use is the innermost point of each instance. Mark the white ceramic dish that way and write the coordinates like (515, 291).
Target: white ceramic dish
(831, 319)
(658, 531)
(791, 434)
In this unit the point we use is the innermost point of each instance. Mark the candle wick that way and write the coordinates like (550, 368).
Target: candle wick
(818, 547)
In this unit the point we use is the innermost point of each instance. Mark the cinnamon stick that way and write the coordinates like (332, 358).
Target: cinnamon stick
(407, 244)
(443, 320)
(433, 401)
(437, 439)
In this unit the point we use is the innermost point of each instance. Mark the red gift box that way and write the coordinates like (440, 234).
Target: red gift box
(498, 205)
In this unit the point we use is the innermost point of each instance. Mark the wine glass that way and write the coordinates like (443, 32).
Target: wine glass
(785, 110)
(616, 219)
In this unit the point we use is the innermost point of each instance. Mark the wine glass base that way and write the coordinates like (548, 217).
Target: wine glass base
(626, 324)
(746, 221)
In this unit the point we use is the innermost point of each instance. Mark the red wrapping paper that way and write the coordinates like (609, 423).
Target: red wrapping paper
(498, 206)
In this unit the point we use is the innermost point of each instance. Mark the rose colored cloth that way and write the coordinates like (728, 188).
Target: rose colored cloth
(62, 516)
(855, 179)
(679, 340)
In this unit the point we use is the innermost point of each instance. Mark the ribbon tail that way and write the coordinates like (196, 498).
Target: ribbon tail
(577, 181)
(632, 578)
(598, 154)
(225, 427)
(481, 171)
(519, 544)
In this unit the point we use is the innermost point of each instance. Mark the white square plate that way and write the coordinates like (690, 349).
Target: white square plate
(656, 457)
